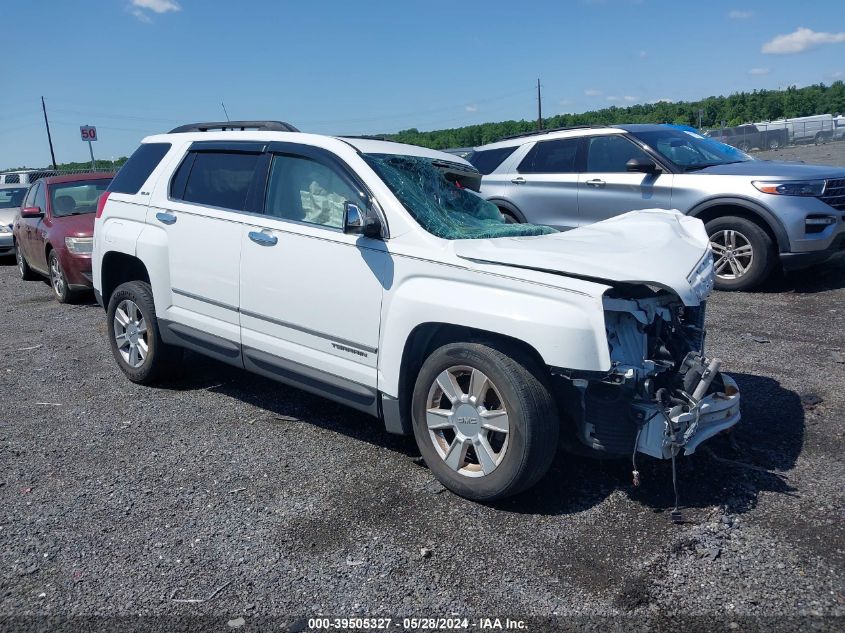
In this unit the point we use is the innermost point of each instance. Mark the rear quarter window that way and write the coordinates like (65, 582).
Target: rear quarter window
(487, 160)
(138, 168)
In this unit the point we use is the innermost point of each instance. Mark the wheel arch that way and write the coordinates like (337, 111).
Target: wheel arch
(118, 268)
(744, 208)
(510, 207)
(427, 337)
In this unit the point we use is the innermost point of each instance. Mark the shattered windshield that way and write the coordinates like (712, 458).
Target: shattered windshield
(443, 206)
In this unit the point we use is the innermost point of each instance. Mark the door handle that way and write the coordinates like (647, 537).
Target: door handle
(596, 182)
(262, 238)
(519, 180)
(166, 218)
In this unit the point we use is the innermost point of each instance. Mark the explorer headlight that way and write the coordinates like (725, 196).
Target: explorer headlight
(703, 276)
(5, 228)
(80, 245)
(791, 187)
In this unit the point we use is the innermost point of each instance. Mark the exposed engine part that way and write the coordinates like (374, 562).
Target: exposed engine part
(706, 379)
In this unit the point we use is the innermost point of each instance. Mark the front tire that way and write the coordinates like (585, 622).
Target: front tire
(134, 335)
(743, 253)
(58, 280)
(485, 421)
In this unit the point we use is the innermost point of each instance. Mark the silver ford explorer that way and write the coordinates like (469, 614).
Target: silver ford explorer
(758, 213)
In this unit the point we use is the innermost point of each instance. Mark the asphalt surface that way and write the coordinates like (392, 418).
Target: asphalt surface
(258, 500)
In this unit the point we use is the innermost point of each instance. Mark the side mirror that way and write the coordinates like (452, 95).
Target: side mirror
(356, 221)
(32, 212)
(642, 166)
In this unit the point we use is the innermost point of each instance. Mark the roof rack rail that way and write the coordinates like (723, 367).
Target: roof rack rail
(366, 137)
(554, 129)
(264, 126)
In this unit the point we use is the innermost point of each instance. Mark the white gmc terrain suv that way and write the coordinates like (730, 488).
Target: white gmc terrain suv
(372, 273)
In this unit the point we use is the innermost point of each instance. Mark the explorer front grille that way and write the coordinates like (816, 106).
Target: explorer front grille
(834, 194)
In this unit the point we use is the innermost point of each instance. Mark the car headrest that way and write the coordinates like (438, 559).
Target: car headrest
(65, 204)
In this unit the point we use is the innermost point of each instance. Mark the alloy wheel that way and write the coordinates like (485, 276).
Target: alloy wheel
(467, 421)
(57, 279)
(131, 333)
(734, 253)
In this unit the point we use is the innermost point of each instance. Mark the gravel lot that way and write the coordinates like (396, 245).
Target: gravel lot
(832, 153)
(121, 500)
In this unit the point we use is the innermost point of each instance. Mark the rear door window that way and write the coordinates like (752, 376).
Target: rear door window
(221, 179)
(138, 168)
(610, 154)
(551, 157)
(486, 161)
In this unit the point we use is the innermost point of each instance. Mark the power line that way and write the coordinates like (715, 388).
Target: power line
(49, 138)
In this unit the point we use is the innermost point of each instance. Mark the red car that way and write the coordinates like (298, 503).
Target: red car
(54, 232)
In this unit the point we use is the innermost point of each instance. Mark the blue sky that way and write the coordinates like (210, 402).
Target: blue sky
(137, 67)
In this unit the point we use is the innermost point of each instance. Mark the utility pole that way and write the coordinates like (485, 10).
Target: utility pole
(49, 138)
(539, 107)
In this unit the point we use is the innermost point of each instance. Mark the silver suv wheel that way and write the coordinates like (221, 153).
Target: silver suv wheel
(733, 253)
(130, 333)
(467, 421)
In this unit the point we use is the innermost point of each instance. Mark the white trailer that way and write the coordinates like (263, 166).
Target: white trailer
(817, 129)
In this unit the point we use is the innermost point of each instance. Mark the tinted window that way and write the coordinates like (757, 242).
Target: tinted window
(611, 153)
(551, 157)
(221, 179)
(12, 197)
(304, 190)
(76, 198)
(486, 161)
(138, 168)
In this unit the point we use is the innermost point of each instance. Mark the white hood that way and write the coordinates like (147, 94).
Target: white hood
(653, 246)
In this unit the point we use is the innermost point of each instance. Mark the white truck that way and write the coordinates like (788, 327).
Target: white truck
(818, 129)
(371, 273)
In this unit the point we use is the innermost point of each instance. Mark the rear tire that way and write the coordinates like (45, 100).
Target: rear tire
(26, 273)
(134, 335)
(510, 218)
(743, 253)
(495, 438)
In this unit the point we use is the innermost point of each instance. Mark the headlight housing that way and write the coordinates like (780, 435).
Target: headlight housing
(4, 228)
(80, 245)
(703, 277)
(791, 187)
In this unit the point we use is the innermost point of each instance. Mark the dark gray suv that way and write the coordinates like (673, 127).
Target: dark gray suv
(757, 213)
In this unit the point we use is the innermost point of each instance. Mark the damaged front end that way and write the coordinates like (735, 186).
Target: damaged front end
(661, 395)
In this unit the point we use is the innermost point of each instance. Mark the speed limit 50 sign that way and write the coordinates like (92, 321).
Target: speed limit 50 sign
(88, 132)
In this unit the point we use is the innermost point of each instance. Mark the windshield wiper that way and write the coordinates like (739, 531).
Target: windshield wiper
(706, 165)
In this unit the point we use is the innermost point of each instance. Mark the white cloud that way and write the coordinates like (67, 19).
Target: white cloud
(592, 92)
(157, 6)
(643, 54)
(613, 98)
(738, 14)
(564, 102)
(800, 40)
(629, 98)
(139, 8)
(837, 75)
(759, 71)
(471, 108)
(143, 17)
